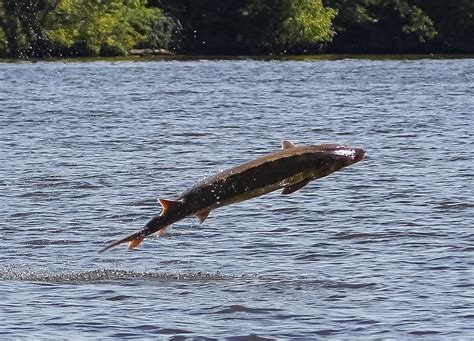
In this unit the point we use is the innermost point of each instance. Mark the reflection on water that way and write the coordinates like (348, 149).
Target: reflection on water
(381, 249)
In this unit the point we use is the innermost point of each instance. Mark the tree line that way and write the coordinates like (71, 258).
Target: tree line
(52, 28)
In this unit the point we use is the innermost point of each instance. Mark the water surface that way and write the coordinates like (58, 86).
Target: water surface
(382, 249)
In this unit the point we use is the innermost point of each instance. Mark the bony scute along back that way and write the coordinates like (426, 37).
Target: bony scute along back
(291, 168)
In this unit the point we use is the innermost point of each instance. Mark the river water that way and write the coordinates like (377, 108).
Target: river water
(382, 249)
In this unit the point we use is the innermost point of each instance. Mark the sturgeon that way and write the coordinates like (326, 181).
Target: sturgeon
(291, 168)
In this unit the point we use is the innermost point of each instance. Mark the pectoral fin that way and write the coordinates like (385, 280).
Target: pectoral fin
(285, 144)
(134, 243)
(202, 215)
(167, 204)
(293, 188)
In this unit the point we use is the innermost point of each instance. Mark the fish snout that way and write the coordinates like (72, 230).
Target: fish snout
(359, 154)
(348, 155)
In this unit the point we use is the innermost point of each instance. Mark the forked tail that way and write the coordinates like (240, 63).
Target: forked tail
(156, 225)
(133, 241)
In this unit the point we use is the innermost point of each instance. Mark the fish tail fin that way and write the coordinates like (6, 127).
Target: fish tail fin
(155, 225)
(133, 240)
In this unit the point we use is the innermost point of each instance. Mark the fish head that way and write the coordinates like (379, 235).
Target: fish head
(337, 156)
(345, 155)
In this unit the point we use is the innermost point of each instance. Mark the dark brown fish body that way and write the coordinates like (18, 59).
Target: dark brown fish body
(291, 169)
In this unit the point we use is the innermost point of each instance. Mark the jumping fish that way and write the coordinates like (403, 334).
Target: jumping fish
(291, 169)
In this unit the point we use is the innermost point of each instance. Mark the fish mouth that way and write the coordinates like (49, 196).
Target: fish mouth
(359, 154)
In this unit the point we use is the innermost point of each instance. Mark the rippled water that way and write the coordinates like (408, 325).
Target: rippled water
(382, 249)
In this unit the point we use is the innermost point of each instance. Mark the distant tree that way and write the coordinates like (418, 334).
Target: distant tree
(294, 25)
(41, 28)
(250, 26)
(109, 27)
(157, 30)
(8, 30)
(23, 23)
(390, 26)
(207, 26)
(307, 22)
(454, 21)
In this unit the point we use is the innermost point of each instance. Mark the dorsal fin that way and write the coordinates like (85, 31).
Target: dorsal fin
(285, 144)
(167, 204)
(202, 215)
(295, 187)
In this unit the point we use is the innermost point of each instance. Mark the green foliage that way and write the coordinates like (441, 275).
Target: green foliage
(109, 27)
(42, 28)
(417, 23)
(3, 44)
(381, 26)
(157, 30)
(209, 26)
(307, 22)
(23, 23)
(412, 19)
(454, 21)
(251, 26)
(289, 24)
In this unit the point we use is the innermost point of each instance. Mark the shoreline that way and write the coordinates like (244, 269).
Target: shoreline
(186, 57)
